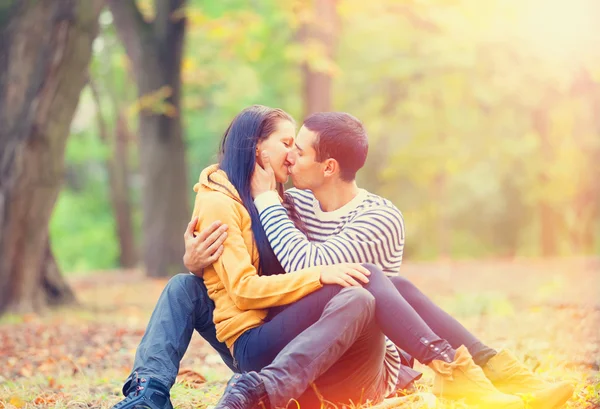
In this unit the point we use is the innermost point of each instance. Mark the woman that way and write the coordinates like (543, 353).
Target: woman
(246, 280)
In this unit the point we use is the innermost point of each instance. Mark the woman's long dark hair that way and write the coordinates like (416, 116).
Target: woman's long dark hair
(237, 160)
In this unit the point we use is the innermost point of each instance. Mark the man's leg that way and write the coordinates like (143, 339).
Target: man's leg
(442, 323)
(259, 346)
(359, 375)
(314, 351)
(182, 306)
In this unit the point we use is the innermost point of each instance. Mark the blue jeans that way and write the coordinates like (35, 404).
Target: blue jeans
(258, 347)
(183, 307)
(341, 355)
(414, 323)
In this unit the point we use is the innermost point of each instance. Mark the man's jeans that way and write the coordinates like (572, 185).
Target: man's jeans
(341, 354)
(184, 306)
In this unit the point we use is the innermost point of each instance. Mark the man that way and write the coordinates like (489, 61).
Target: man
(333, 221)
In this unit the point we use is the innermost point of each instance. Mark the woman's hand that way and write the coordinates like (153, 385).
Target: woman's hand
(203, 249)
(345, 274)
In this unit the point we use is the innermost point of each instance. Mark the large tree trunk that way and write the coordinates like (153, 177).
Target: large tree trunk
(322, 32)
(155, 50)
(45, 48)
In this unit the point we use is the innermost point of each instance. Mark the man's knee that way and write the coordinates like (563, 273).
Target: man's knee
(375, 271)
(377, 277)
(360, 298)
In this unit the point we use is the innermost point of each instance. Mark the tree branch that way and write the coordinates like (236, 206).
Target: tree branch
(102, 128)
(133, 30)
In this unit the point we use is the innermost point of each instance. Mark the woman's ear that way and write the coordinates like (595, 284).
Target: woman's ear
(258, 155)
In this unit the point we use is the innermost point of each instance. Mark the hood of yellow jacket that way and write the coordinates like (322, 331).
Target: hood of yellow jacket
(213, 178)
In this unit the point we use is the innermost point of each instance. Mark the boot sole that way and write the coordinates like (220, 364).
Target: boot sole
(516, 404)
(557, 398)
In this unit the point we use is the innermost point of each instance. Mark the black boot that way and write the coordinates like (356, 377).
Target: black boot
(244, 391)
(145, 393)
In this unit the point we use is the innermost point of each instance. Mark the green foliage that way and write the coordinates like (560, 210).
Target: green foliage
(83, 230)
(477, 117)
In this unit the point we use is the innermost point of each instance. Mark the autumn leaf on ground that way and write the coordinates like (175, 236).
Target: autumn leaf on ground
(16, 402)
(190, 378)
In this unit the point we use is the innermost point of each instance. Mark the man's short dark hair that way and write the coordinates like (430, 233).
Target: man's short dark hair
(342, 137)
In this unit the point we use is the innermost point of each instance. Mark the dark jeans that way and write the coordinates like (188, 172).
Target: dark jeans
(442, 323)
(258, 347)
(414, 323)
(341, 355)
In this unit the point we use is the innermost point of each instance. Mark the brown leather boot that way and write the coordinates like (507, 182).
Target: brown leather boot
(463, 379)
(511, 376)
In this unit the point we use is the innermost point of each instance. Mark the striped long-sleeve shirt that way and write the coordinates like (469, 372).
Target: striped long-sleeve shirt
(368, 229)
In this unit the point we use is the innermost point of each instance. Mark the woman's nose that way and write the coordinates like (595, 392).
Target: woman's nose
(291, 157)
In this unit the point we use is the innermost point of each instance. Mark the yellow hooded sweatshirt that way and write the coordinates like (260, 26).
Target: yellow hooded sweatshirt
(240, 295)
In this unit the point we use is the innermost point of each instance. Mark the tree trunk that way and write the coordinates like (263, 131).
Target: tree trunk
(117, 166)
(155, 49)
(548, 216)
(321, 30)
(45, 48)
(120, 188)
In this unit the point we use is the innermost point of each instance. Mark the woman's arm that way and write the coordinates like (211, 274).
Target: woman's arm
(246, 288)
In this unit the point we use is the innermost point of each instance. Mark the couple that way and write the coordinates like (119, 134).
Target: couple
(327, 330)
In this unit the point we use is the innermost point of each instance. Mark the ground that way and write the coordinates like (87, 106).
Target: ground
(546, 311)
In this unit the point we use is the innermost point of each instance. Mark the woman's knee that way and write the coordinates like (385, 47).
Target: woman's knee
(185, 284)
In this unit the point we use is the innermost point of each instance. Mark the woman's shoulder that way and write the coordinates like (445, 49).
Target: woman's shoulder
(218, 203)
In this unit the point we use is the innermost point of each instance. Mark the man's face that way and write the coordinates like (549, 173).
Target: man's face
(306, 172)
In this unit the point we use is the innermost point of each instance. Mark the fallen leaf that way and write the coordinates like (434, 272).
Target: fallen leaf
(16, 402)
(190, 378)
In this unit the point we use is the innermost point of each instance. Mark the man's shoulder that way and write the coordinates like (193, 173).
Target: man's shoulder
(373, 203)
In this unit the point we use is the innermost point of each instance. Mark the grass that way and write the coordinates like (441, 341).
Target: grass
(546, 312)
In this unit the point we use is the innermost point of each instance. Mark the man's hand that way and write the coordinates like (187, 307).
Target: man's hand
(263, 177)
(205, 248)
(345, 274)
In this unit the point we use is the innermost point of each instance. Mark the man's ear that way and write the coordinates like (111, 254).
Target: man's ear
(331, 167)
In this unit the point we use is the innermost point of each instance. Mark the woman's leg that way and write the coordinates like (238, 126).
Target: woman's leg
(442, 323)
(257, 347)
(183, 305)
(400, 322)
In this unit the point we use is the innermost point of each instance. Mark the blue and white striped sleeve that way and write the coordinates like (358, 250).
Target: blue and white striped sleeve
(375, 236)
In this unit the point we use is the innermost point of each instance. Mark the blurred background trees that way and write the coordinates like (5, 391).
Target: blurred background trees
(484, 118)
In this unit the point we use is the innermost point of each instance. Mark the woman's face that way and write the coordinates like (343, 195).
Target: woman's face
(278, 145)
